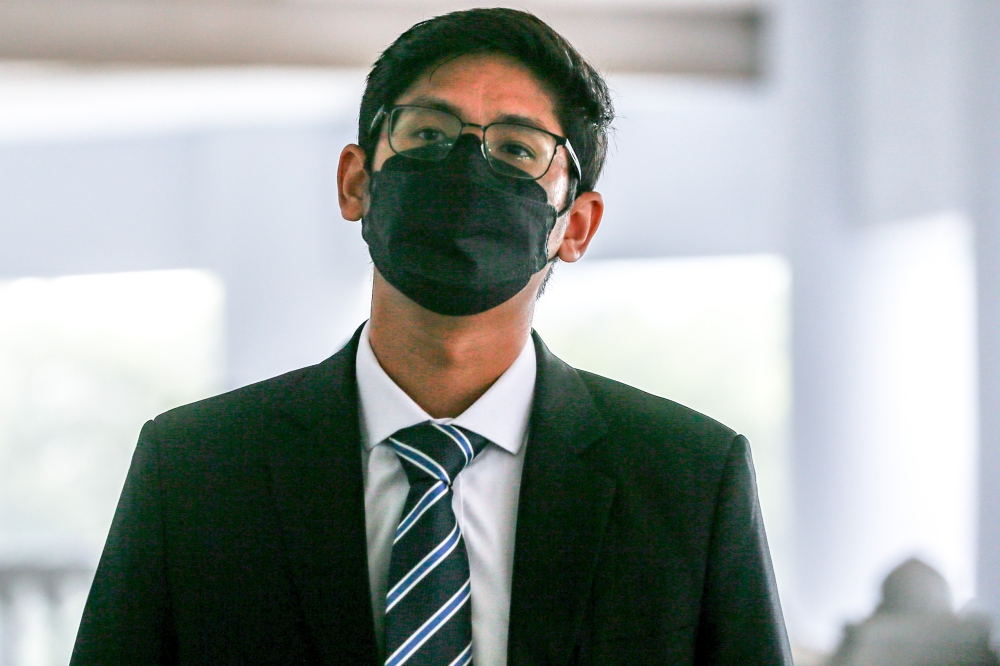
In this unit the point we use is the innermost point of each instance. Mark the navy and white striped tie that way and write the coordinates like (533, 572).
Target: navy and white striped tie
(428, 614)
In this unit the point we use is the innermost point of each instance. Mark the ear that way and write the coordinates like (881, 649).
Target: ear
(584, 219)
(352, 182)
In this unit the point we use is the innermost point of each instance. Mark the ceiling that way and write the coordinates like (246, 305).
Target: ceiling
(705, 37)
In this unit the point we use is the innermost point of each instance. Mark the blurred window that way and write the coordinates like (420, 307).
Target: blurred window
(84, 361)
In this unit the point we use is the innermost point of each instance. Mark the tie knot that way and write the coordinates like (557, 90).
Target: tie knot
(432, 452)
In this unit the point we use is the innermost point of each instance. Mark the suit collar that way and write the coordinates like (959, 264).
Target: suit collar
(314, 393)
(563, 412)
(562, 515)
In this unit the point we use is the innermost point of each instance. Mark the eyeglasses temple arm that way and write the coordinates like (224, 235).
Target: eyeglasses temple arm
(576, 160)
(379, 115)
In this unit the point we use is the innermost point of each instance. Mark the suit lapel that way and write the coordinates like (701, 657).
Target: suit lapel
(562, 514)
(319, 495)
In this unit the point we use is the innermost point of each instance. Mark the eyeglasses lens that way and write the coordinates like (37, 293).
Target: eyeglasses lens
(423, 134)
(512, 150)
(517, 151)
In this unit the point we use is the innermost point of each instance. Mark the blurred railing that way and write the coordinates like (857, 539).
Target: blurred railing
(40, 610)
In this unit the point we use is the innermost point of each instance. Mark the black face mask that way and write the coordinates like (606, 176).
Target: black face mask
(455, 236)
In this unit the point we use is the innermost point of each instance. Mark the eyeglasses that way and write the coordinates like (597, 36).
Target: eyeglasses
(510, 149)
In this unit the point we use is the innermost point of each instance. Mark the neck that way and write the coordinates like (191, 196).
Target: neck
(446, 363)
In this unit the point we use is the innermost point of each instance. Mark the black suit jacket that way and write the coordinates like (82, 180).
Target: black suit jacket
(240, 534)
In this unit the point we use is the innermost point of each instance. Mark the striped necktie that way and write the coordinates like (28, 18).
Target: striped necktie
(428, 613)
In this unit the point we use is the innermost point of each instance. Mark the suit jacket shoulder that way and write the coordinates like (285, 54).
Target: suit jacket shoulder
(232, 416)
(646, 429)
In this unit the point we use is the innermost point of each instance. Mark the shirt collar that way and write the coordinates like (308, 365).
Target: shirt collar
(500, 415)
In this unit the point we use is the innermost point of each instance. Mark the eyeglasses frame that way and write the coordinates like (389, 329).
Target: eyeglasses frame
(560, 140)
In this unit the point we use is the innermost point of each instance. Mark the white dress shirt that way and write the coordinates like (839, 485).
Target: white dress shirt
(485, 492)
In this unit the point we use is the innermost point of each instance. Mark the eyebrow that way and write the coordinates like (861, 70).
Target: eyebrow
(516, 119)
(439, 104)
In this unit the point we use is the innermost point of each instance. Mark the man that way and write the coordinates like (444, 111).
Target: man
(444, 490)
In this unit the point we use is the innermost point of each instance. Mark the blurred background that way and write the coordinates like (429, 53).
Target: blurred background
(802, 240)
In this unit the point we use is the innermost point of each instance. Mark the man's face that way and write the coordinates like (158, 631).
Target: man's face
(484, 89)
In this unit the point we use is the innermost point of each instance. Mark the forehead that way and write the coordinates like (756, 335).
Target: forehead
(484, 88)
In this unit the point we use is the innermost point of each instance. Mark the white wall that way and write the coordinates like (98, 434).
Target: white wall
(695, 169)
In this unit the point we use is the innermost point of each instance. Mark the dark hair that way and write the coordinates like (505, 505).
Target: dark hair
(583, 103)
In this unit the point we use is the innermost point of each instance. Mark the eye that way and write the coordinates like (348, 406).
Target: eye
(518, 151)
(429, 134)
